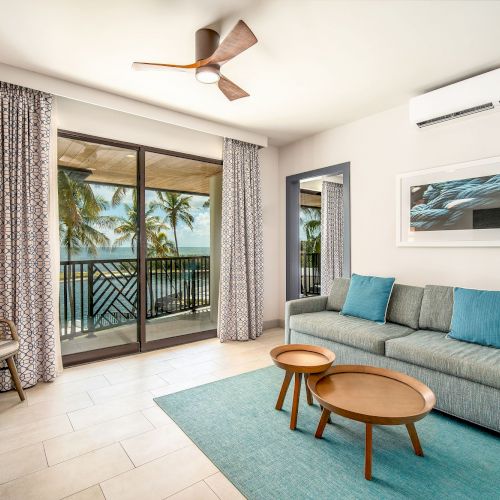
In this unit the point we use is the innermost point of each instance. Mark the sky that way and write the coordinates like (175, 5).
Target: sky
(198, 237)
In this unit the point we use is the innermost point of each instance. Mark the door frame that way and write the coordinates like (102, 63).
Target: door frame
(293, 218)
(141, 345)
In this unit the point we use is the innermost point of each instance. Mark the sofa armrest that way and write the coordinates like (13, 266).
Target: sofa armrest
(301, 306)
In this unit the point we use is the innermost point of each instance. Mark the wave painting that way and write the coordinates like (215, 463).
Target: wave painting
(472, 203)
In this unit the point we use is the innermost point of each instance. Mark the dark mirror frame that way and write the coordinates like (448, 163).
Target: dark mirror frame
(292, 223)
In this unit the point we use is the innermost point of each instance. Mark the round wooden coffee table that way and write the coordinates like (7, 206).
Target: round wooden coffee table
(299, 359)
(375, 396)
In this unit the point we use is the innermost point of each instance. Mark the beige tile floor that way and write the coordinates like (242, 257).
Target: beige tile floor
(96, 433)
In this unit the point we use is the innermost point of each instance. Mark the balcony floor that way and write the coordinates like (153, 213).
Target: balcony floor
(159, 328)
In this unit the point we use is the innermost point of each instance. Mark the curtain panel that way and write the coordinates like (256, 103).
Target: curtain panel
(26, 294)
(332, 234)
(241, 273)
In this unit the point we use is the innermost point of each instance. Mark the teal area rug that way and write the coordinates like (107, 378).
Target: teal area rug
(233, 421)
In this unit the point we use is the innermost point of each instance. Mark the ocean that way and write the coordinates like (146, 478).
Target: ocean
(126, 252)
(113, 290)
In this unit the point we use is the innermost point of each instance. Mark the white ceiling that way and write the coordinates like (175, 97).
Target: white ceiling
(317, 64)
(316, 184)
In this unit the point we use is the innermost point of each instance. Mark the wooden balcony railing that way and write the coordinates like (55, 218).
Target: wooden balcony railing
(100, 294)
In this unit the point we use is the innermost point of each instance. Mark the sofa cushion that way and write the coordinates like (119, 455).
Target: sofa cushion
(348, 330)
(404, 305)
(437, 308)
(433, 350)
(338, 293)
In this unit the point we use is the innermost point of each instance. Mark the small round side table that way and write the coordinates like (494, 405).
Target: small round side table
(299, 359)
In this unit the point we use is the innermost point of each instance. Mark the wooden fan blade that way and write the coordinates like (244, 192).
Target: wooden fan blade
(230, 89)
(145, 66)
(238, 40)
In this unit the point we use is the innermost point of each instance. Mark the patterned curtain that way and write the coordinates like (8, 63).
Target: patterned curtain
(25, 266)
(332, 234)
(241, 274)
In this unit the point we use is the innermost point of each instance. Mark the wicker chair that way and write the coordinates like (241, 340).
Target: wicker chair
(8, 349)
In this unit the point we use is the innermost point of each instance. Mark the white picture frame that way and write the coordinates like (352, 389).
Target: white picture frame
(408, 236)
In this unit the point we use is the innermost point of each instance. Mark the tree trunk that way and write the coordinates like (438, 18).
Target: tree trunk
(175, 239)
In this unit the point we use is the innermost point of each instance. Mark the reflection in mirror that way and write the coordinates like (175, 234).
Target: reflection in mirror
(320, 233)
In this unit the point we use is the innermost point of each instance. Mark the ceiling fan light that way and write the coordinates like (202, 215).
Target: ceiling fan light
(208, 74)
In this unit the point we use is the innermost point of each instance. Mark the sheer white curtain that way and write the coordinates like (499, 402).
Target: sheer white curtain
(332, 234)
(241, 274)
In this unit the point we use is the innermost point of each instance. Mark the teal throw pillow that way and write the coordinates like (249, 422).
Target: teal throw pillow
(476, 317)
(368, 297)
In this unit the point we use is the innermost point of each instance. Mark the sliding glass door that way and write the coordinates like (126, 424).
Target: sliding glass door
(139, 247)
(182, 221)
(98, 300)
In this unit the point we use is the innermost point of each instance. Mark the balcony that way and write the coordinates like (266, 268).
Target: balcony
(310, 274)
(98, 300)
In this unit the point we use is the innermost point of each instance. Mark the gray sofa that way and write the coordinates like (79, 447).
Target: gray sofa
(464, 377)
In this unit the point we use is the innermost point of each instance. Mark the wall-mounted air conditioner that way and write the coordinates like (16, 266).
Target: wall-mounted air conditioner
(474, 95)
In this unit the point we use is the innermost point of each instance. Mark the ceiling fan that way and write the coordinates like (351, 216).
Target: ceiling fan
(210, 56)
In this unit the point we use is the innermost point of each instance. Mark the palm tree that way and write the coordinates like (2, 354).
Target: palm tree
(311, 223)
(80, 220)
(160, 245)
(177, 208)
(128, 227)
(80, 215)
(120, 193)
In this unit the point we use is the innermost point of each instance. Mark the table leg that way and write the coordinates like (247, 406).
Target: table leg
(284, 389)
(325, 416)
(308, 392)
(368, 452)
(414, 439)
(329, 417)
(295, 405)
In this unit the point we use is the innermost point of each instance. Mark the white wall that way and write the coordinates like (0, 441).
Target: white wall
(102, 122)
(108, 100)
(379, 147)
(85, 118)
(271, 211)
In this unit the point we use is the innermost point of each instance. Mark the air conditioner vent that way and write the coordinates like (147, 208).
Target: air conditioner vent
(457, 114)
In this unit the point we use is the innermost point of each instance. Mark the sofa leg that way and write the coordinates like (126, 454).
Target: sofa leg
(15, 377)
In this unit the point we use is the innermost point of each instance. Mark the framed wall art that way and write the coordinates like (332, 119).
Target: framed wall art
(454, 205)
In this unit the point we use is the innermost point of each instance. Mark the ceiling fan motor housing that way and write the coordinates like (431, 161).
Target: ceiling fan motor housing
(207, 41)
(210, 55)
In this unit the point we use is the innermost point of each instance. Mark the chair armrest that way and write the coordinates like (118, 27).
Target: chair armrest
(12, 328)
(301, 306)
